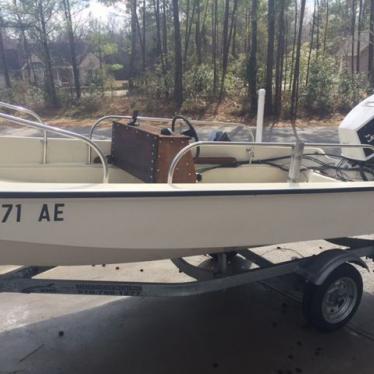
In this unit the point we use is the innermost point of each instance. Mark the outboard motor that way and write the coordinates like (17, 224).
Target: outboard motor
(358, 128)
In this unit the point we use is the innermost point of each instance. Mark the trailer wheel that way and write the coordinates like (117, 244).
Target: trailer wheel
(332, 304)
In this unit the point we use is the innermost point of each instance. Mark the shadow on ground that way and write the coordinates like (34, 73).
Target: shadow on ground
(251, 329)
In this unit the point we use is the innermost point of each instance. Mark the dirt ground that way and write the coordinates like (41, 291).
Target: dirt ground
(228, 111)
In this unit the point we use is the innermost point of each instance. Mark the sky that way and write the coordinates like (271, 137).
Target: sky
(102, 12)
(98, 10)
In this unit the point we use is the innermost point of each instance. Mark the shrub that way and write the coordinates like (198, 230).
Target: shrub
(318, 95)
(351, 90)
(198, 82)
(24, 94)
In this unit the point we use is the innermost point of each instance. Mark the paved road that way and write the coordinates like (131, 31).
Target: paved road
(252, 329)
(238, 133)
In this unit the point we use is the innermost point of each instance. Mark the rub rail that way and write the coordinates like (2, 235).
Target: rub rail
(65, 133)
(293, 146)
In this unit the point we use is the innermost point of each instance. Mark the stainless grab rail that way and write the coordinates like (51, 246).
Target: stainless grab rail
(159, 120)
(66, 133)
(31, 113)
(95, 125)
(293, 146)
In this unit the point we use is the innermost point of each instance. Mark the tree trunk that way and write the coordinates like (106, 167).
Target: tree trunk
(246, 31)
(311, 43)
(198, 34)
(270, 58)
(4, 62)
(214, 45)
(326, 27)
(73, 54)
(252, 63)
(189, 22)
(133, 44)
(318, 26)
(296, 78)
(293, 45)
(25, 45)
(353, 26)
(144, 38)
(227, 36)
(279, 62)
(225, 40)
(27, 54)
(178, 80)
(50, 82)
(203, 31)
(233, 51)
(141, 34)
(165, 31)
(285, 64)
(359, 24)
(160, 53)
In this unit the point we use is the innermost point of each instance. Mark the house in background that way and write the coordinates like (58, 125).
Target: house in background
(345, 54)
(33, 68)
(13, 61)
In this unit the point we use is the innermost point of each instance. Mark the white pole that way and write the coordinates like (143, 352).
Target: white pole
(260, 115)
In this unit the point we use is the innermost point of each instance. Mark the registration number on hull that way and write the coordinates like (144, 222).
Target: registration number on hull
(12, 213)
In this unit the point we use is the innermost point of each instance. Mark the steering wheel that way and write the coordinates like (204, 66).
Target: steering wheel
(190, 132)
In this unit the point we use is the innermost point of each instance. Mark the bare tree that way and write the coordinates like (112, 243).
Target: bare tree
(227, 36)
(279, 60)
(144, 54)
(165, 31)
(3, 58)
(353, 27)
(296, 78)
(252, 62)
(359, 25)
(214, 45)
(133, 5)
(178, 78)
(318, 27)
(326, 26)
(270, 58)
(293, 44)
(73, 53)
(311, 42)
(198, 34)
(160, 52)
(189, 21)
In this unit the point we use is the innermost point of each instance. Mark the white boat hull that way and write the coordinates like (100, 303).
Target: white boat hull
(96, 224)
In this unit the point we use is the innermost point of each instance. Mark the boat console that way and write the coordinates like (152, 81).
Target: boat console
(146, 152)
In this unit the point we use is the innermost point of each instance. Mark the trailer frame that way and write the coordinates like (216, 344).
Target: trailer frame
(313, 269)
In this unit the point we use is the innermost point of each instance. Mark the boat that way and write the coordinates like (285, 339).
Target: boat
(155, 192)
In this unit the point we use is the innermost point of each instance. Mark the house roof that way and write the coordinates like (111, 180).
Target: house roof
(60, 54)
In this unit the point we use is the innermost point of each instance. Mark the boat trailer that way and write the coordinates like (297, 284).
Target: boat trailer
(332, 286)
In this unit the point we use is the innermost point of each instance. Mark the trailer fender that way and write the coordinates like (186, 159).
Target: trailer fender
(317, 268)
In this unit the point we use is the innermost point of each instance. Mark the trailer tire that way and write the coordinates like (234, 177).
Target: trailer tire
(332, 304)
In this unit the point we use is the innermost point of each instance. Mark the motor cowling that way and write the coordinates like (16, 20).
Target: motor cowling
(358, 128)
